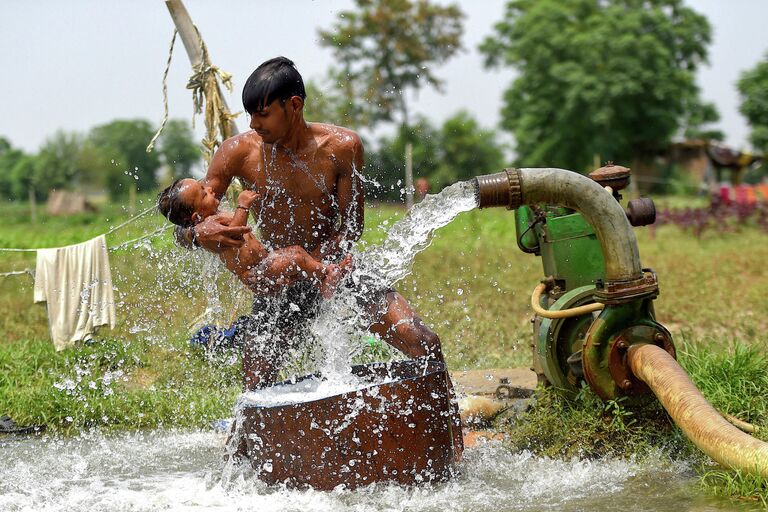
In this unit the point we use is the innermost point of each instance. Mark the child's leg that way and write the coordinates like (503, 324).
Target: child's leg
(292, 263)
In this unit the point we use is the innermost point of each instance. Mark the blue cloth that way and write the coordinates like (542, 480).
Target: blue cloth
(212, 337)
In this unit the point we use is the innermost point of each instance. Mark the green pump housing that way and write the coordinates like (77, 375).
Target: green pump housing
(573, 261)
(567, 244)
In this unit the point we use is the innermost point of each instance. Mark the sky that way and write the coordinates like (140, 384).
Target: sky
(76, 64)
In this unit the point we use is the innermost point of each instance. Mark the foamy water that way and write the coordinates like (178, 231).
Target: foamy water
(305, 391)
(182, 472)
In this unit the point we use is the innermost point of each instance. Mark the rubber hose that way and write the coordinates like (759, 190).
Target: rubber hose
(563, 313)
(699, 421)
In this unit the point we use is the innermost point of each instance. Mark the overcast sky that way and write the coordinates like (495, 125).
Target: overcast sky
(74, 64)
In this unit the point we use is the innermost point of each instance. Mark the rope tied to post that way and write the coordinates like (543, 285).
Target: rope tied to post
(206, 96)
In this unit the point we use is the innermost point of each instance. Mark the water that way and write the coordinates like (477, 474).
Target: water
(181, 471)
(378, 268)
(304, 391)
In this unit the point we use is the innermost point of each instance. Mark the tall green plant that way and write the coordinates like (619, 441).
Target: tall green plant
(753, 89)
(386, 48)
(125, 142)
(612, 78)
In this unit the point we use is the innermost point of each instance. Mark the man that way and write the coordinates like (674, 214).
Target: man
(310, 194)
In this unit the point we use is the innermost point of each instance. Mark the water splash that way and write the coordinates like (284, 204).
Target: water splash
(377, 269)
(181, 472)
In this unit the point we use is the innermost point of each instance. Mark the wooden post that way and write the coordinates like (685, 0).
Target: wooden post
(132, 199)
(408, 175)
(32, 205)
(192, 43)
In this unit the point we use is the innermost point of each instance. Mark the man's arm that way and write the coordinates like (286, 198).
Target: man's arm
(351, 200)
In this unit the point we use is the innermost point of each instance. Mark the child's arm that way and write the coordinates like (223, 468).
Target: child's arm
(244, 202)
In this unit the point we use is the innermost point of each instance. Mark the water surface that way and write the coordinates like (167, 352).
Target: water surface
(183, 471)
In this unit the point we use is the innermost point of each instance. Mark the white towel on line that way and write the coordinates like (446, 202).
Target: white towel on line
(76, 282)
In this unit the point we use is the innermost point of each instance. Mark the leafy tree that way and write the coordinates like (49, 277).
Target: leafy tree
(8, 158)
(753, 89)
(57, 162)
(698, 119)
(178, 149)
(22, 177)
(325, 105)
(596, 77)
(466, 150)
(386, 165)
(387, 47)
(125, 142)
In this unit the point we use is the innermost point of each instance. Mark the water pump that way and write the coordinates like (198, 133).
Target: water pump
(574, 267)
(594, 318)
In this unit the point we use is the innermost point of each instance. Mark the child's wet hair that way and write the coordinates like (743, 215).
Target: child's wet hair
(172, 207)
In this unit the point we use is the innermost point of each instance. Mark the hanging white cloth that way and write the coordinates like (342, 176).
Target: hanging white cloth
(76, 282)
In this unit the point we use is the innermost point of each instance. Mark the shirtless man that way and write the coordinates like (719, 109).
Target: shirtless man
(310, 194)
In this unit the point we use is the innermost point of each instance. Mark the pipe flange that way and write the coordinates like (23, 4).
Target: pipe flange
(618, 364)
(619, 292)
(515, 188)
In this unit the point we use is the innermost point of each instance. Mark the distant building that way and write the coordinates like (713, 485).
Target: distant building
(710, 162)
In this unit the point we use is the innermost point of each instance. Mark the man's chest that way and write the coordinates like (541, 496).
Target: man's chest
(290, 182)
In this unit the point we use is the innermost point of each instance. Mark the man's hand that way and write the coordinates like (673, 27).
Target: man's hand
(215, 232)
(247, 198)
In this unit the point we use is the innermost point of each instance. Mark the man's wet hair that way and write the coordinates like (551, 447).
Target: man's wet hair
(275, 79)
(172, 207)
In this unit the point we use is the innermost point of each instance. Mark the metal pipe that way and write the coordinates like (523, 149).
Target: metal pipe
(700, 422)
(516, 187)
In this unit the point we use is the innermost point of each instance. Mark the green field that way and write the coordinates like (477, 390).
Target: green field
(472, 286)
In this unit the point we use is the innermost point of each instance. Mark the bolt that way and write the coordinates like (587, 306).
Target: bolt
(626, 384)
(621, 344)
(659, 338)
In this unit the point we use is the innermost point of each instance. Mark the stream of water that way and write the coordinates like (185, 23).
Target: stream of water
(177, 471)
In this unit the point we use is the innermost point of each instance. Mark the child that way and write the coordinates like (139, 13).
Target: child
(186, 203)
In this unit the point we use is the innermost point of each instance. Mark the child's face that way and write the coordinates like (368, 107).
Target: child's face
(202, 199)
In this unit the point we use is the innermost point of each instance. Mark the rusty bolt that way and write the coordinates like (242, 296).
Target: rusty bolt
(626, 384)
(622, 344)
(659, 338)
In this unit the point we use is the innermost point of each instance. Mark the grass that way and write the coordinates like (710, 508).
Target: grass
(471, 285)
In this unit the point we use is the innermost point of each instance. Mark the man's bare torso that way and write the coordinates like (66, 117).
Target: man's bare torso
(299, 203)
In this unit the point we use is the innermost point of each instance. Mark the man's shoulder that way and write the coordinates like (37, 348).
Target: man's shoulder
(340, 136)
(241, 145)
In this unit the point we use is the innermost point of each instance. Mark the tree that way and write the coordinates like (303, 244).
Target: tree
(22, 178)
(753, 90)
(57, 163)
(698, 119)
(125, 142)
(387, 47)
(596, 77)
(178, 149)
(8, 159)
(386, 165)
(466, 150)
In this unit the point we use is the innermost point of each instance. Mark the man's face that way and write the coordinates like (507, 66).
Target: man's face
(273, 121)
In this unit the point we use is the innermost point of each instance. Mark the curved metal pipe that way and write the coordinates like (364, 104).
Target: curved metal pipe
(516, 187)
(700, 422)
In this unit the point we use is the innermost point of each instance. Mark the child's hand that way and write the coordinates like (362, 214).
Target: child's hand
(247, 198)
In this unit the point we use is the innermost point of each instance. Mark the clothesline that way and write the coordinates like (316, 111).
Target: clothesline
(120, 226)
(18, 273)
